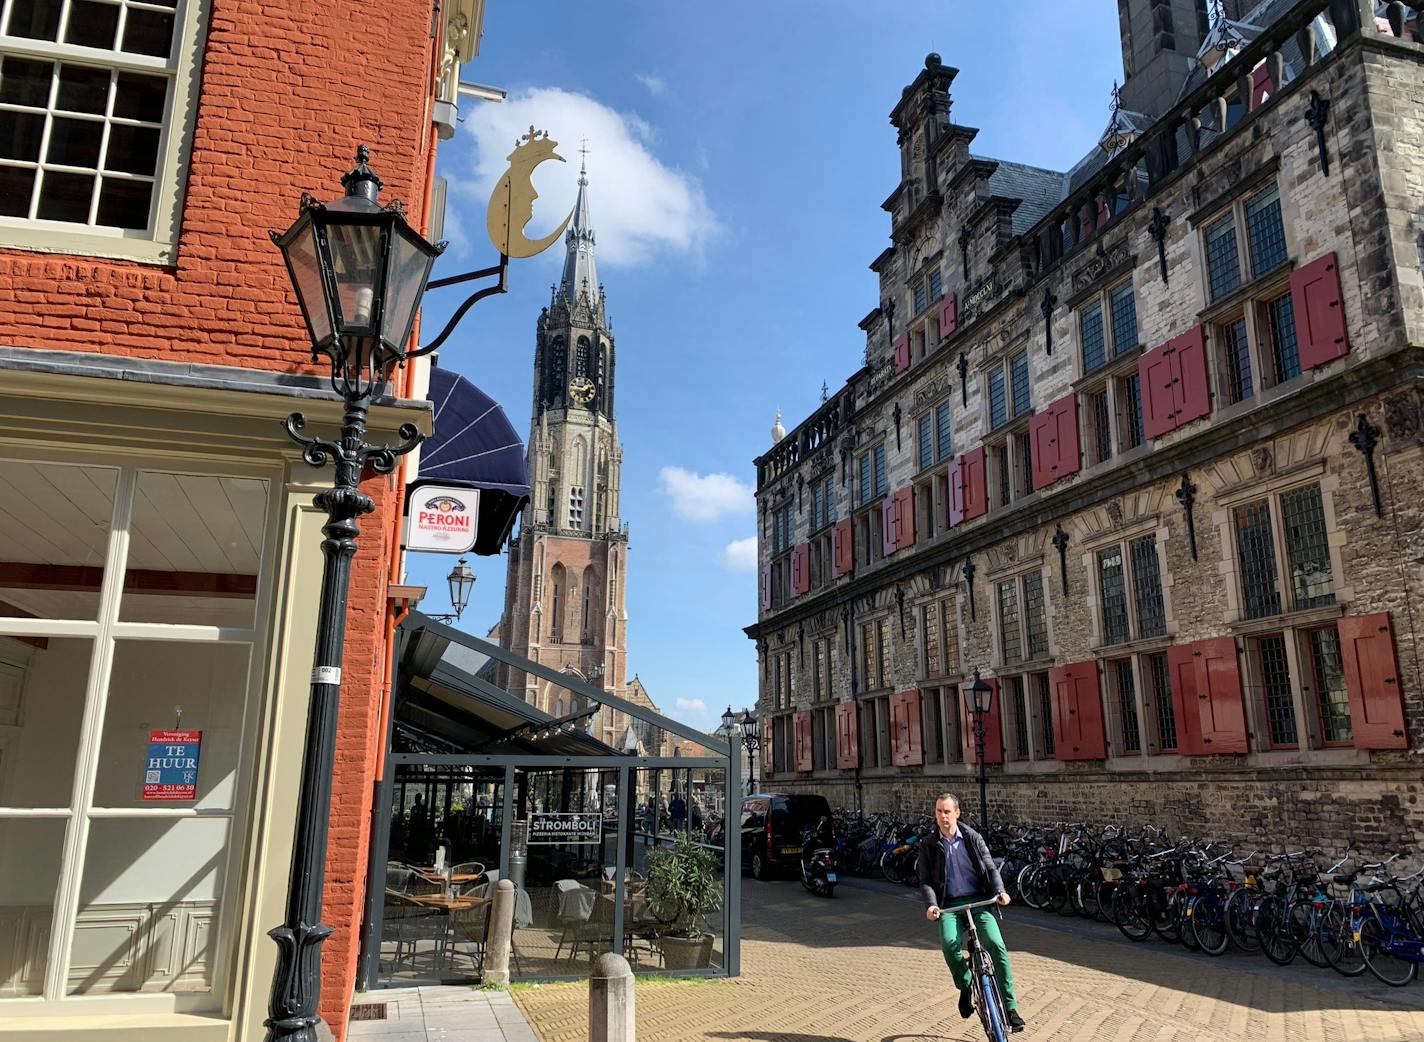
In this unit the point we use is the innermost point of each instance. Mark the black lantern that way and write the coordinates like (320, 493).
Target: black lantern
(729, 721)
(751, 726)
(981, 695)
(461, 581)
(359, 271)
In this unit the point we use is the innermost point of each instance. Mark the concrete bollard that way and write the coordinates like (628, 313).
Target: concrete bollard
(499, 940)
(610, 1000)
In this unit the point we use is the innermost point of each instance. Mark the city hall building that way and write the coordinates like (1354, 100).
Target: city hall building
(161, 562)
(1141, 443)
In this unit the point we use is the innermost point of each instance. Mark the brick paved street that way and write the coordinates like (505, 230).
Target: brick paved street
(864, 967)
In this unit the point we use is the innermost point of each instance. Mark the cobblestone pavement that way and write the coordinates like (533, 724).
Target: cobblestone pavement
(864, 967)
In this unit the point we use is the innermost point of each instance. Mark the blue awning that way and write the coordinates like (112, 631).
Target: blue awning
(474, 443)
(474, 446)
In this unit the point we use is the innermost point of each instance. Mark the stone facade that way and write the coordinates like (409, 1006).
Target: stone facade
(1174, 575)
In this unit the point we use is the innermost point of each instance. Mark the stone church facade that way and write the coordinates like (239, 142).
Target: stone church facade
(1141, 443)
(564, 596)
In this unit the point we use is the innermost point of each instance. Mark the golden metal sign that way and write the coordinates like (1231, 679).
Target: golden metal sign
(512, 205)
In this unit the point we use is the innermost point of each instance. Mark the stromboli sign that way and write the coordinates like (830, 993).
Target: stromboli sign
(442, 519)
(579, 827)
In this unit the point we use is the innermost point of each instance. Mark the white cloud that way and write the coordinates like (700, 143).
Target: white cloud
(740, 555)
(691, 705)
(641, 206)
(704, 497)
(647, 79)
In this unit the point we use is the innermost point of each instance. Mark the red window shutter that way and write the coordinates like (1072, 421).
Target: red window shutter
(956, 491)
(993, 733)
(948, 316)
(1372, 679)
(1077, 712)
(847, 740)
(1155, 376)
(766, 588)
(1319, 315)
(803, 740)
(1219, 696)
(768, 754)
(976, 495)
(1261, 87)
(1186, 696)
(804, 553)
(842, 549)
(1055, 447)
(887, 525)
(906, 741)
(1043, 446)
(1102, 211)
(796, 572)
(905, 517)
(1192, 389)
(1086, 220)
(902, 353)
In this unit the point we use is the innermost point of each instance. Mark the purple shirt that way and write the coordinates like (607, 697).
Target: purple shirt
(960, 879)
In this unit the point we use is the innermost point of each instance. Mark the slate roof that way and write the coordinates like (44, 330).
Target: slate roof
(1041, 190)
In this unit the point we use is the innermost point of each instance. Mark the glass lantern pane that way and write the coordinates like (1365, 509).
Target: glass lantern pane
(306, 278)
(355, 260)
(411, 261)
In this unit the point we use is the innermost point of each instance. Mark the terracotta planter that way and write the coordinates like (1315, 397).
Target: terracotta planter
(686, 953)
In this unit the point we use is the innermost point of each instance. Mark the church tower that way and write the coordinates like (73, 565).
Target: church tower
(563, 602)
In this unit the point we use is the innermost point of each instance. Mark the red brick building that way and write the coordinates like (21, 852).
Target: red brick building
(162, 553)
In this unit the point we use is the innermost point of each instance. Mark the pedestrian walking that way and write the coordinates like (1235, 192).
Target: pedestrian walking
(955, 868)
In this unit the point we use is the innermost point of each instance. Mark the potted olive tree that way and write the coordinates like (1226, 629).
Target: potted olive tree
(682, 888)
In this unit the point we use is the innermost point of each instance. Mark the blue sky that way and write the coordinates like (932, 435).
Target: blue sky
(738, 155)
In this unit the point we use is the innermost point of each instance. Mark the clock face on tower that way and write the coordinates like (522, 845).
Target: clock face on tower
(581, 390)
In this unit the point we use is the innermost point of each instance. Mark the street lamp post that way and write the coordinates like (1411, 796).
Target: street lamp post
(982, 696)
(751, 739)
(359, 271)
(461, 581)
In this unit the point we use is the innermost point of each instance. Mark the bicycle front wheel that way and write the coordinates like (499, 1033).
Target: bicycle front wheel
(1306, 921)
(1208, 924)
(1241, 920)
(1337, 941)
(1273, 927)
(1132, 911)
(1375, 943)
(991, 1010)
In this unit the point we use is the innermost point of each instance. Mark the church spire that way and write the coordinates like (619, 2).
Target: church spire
(580, 275)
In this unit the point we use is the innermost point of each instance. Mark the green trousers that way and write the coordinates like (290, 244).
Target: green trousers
(952, 928)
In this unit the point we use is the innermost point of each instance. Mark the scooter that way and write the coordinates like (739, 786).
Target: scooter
(818, 860)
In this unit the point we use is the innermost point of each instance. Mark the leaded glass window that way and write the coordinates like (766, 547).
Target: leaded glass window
(936, 285)
(1147, 587)
(1256, 548)
(1127, 708)
(1100, 415)
(1124, 318)
(866, 478)
(880, 476)
(1276, 689)
(1307, 548)
(1114, 595)
(1018, 370)
(1130, 394)
(1161, 679)
(921, 301)
(1285, 355)
(926, 441)
(1331, 694)
(883, 632)
(1023, 473)
(1035, 618)
(1090, 332)
(1045, 711)
(943, 434)
(1223, 264)
(930, 621)
(1019, 701)
(1010, 635)
(998, 403)
(1265, 233)
(1238, 360)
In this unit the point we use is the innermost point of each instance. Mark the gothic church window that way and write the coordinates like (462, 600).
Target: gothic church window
(581, 357)
(576, 506)
(556, 616)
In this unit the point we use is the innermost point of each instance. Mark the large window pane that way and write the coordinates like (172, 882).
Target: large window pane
(1333, 697)
(1222, 263)
(1265, 230)
(54, 531)
(143, 700)
(1307, 548)
(42, 684)
(1147, 587)
(1114, 590)
(1090, 335)
(1010, 636)
(195, 549)
(1257, 549)
(30, 853)
(149, 905)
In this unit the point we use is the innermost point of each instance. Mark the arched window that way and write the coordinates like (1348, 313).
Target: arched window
(556, 616)
(590, 578)
(581, 357)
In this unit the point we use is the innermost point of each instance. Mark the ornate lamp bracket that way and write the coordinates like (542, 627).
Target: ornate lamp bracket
(900, 606)
(1187, 495)
(1158, 230)
(895, 414)
(1046, 306)
(963, 366)
(1316, 115)
(965, 238)
(1060, 543)
(969, 571)
(1365, 437)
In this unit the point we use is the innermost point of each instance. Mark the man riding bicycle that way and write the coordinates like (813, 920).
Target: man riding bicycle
(955, 869)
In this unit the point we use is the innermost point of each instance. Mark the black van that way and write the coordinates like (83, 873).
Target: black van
(772, 824)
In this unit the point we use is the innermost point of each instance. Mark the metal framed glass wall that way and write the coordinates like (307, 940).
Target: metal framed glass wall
(479, 785)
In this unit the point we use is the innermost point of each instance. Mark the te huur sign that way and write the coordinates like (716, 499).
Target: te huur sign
(566, 828)
(171, 769)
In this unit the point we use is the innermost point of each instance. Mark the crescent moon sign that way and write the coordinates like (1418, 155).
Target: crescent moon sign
(511, 206)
